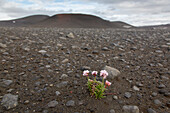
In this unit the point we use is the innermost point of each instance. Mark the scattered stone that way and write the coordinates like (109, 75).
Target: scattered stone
(161, 86)
(62, 84)
(70, 103)
(130, 109)
(10, 90)
(26, 49)
(85, 68)
(46, 55)
(57, 93)
(52, 104)
(95, 52)
(47, 66)
(167, 94)
(77, 76)
(115, 97)
(154, 94)
(139, 84)
(112, 72)
(9, 101)
(45, 111)
(75, 82)
(63, 76)
(168, 44)
(85, 48)
(112, 111)
(133, 48)
(65, 60)
(164, 77)
(139, 96)
(75, 47)
(14, 38)
(150, 110)
(42, 51)
(168, 104)
(159, 51)
(2, 45)
(5, 53)
(70, 35)
(136, 88)
(105, 49)
(63, 38)
(164, 46)
(80, 102)
(5, 83)
(37, 83)
(26, 102)
(157, 102)
(59, 45)
(128, 94)
(167, 39)
(162, 91)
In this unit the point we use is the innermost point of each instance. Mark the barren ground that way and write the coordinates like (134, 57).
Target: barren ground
(142, 56)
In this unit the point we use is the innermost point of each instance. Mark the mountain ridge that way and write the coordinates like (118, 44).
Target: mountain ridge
(64, 21)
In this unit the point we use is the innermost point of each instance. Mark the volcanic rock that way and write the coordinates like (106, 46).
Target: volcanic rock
(112, 72)
(130, 109)
(9, 101)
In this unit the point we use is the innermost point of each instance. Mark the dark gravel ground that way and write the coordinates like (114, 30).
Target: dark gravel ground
(37, 62)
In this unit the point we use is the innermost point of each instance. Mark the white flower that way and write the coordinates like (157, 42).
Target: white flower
(94, 73)
(85, 72)
(103, 73)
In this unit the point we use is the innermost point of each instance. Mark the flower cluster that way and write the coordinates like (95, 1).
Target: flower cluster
(95, 87)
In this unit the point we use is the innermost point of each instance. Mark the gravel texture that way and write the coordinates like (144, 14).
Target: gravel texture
(41, 70)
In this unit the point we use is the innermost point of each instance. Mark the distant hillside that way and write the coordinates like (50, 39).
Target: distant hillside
(163, 26)
(79, 21)
(25, 21)
(65, 21)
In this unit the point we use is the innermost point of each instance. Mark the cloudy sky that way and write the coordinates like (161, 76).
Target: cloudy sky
(135, 12)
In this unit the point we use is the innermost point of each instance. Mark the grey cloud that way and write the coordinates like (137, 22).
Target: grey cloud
(136, 6)
(2, 2)
(131, 11)
(115, 1)
(17, 12)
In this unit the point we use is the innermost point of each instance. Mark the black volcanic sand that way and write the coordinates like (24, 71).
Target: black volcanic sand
(142, 56)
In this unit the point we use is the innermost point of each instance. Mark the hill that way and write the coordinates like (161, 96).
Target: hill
(65, 21)
(25, 21)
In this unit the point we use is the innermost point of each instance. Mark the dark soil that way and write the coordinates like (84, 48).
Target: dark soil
(142, 56)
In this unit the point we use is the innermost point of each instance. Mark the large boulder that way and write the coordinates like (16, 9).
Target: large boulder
(112, 72)
(9, 101)
(130, 109)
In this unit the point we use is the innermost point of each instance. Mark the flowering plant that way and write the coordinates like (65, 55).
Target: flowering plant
(95, 87)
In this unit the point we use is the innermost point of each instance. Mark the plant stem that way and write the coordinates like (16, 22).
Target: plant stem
(103, 81)
(95, 79)
(110, 93)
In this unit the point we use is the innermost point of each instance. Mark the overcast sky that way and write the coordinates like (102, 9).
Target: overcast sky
(135, 12)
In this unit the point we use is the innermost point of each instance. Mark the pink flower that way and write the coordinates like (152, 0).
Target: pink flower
(107, 83)
(90, 80)
(103, 73)
(85, 73)
(94, 73)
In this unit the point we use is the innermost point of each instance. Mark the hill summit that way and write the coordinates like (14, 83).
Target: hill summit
(65, 21)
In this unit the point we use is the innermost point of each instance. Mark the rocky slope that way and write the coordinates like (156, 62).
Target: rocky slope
(26, 21)
(79, 21)
(65, 21)
(41, 70)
